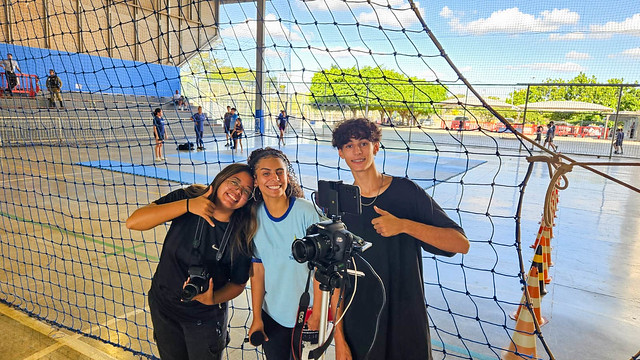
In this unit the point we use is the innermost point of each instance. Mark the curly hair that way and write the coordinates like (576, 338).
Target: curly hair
(293, 188)
(359, 128)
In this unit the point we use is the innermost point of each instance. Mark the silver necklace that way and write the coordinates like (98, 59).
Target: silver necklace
(379, 190)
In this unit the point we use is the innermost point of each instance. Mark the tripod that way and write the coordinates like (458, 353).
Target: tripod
(328, 282)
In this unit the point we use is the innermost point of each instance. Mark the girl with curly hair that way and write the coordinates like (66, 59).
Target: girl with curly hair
(278, 280)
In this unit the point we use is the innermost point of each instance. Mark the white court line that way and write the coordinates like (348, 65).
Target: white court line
(61, 177)
(72, 341)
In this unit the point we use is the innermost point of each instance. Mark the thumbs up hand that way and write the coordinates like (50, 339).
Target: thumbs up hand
(387, 224)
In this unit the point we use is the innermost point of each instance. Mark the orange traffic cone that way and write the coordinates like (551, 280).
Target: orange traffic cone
(523, 341)
(537, 242)
(545, 242)
(535, 292)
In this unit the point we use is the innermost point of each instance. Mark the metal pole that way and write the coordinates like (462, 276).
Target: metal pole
(615, 124)
(366, 106)
(324, 312)
(524, 116)
(413, 111)
(259, 115)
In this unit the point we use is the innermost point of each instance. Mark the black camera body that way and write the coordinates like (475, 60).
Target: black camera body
(328, 245)
(197, 284)
(325, 242)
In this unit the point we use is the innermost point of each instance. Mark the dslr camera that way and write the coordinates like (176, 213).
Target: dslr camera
(198, 282)
(328, 245)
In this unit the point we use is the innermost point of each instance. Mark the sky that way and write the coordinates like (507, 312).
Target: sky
(489, 42)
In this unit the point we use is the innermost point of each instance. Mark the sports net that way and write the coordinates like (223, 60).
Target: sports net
(71, 174)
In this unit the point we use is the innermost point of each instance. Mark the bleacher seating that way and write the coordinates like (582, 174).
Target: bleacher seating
(29, 119)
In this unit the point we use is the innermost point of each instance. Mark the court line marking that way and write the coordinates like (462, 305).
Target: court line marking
(55, 334)
(81, 236)
(461, 350)
(63, 176)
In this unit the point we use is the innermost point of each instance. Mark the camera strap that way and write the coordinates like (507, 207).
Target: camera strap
(296, 335)
(196, 254)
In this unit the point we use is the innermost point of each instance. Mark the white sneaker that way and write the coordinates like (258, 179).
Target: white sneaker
(163, 158)
(158, 159)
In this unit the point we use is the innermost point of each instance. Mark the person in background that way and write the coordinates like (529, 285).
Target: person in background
(400, 220)
(283, 119)
(219, 217)
(278, 279)
(10, 67)
(54, 84)
(238, 132)
(538, 135)
(198, 120)
(551, 133)
(227, 126)
(178, 100)
(158, 133)
(618, 142)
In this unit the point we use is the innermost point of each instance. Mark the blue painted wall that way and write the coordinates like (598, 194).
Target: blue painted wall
(87, 73)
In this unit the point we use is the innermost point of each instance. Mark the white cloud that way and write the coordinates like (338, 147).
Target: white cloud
(400, 15)
(557, 67)
(577, 55)
(446, 12)
(630, 26)
(333, 5)
(271, 52)
(513, 21)
(568, 36)
(273, 28)
(633, 53)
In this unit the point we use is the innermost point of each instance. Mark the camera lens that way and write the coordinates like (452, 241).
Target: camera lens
(189, 291)
(303, 250)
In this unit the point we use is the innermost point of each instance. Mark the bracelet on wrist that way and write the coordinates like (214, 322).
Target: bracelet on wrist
(187, 206)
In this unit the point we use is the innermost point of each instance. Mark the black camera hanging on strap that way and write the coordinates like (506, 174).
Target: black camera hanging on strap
(198, 272)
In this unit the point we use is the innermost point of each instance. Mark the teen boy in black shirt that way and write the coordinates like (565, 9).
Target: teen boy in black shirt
(400, 220)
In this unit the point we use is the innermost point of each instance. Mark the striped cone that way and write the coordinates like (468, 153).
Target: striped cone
(537, 242)
(545, 243)
(523, 344)
(535, 293)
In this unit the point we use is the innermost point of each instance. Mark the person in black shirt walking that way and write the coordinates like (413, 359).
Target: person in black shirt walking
(400, 220)
(219, 218)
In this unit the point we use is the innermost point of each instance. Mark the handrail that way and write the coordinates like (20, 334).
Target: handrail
(27, 84)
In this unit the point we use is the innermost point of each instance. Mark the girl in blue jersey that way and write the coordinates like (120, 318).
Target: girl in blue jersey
(158, 133)
(278, 279)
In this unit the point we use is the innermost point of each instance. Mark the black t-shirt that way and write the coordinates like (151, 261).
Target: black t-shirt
(176, 257)
(404, 328)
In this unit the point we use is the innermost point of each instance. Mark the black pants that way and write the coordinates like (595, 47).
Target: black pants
(279, 345)
(184, 340)
(12, 80)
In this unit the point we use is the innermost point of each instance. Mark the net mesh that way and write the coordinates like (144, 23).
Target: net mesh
(72, 174)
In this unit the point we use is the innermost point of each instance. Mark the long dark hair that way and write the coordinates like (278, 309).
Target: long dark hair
(293, 188)
(244, 223)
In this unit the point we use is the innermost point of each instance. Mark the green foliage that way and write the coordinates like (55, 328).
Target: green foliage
(607, 96)
(380, 89)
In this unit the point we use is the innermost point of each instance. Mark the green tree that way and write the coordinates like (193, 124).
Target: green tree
(603, 95)
(380, 89)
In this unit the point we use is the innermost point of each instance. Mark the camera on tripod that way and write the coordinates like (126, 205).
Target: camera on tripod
(328, 245)
(197, 284)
